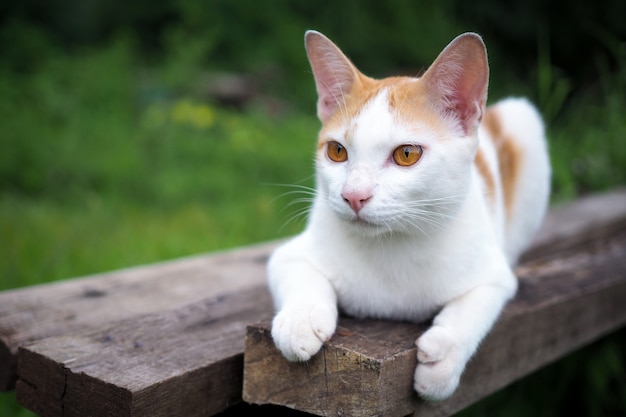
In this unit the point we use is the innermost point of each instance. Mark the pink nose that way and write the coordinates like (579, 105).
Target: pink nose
(356, 199)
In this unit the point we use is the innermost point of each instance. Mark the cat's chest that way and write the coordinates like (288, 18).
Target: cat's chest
(403, 281)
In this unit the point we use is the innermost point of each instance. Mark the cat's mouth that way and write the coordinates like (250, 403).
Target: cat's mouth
(356, 219)
(363, 222)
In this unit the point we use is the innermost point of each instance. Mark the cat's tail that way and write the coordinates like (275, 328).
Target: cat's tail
(519, 136)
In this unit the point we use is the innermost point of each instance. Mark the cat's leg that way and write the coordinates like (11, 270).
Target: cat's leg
(306, 304)
(444, 349)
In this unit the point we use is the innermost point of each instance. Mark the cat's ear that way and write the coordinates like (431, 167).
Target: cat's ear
(334, 73)
(458, 81)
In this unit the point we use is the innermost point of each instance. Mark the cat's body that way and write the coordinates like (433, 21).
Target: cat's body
(424, 201)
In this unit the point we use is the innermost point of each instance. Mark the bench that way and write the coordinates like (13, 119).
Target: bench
(190, 337)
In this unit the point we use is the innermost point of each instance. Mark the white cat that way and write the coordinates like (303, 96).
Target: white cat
(424, 200)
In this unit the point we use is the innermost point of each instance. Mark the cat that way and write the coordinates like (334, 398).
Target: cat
(424, 201)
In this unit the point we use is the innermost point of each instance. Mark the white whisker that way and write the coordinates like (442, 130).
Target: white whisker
(300, 214)
(420, 215)
(300, 206)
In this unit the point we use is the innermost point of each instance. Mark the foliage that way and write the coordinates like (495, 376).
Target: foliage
(587, 140)
(589, 382)
(83, 157)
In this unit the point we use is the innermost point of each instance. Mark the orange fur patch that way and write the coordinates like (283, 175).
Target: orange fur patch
(483, 169)
(509, 158)
(403, 92)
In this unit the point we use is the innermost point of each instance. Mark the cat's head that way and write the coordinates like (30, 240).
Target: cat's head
(395, 155)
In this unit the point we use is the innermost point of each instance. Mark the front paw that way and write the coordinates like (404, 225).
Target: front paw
(299, 332)
(441, 363)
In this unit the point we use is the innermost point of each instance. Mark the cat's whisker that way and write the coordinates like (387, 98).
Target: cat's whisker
(297, 201)
(418, 217)
(434, 217)
(304, 195)
(300, 186)
(300, 214)
(415, 223)
(299, 189)
(438, 201)
(309, 195)
(304, 200)
(296, 186)
(293, 192)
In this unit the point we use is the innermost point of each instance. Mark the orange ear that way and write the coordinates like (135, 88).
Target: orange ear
(334, 73)
(458, 81)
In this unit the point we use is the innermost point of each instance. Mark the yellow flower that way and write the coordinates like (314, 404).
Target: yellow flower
(199, 116)
(203, 116)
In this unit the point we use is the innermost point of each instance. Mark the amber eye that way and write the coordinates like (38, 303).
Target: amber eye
(336, 152)
(407, 155)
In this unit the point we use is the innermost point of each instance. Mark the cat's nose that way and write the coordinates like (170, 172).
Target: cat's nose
(356, 199)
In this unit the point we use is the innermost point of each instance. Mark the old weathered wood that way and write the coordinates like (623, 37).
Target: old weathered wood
(366, 369)
(181, 362)
(575, 223)
(568, 297)
(31, 314)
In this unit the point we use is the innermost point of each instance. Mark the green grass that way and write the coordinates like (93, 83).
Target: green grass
(98, 177)
(109, 163)
(195, 197)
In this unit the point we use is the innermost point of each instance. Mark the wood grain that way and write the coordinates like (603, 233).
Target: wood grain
(366, 369)
(566, 299)
(181, 362)
(575, 222)
(35, 313)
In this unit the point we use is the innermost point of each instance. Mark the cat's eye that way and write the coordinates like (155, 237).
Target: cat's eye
(336, 151)
(407, 155)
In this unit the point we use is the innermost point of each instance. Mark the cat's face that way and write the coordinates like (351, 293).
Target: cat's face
(395, 155)
(388, 163)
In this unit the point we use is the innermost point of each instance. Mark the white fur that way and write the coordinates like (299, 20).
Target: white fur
(425, 244)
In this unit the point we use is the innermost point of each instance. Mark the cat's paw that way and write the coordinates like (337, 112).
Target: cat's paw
(440, 364)
(300, 332)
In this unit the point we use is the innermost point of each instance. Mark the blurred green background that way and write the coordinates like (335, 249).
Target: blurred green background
(135, 132)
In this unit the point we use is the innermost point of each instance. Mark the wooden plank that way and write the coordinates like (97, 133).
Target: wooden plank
(574, 223)
(565, 300)
(366, 369)
(35, 313)
(182, 362)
